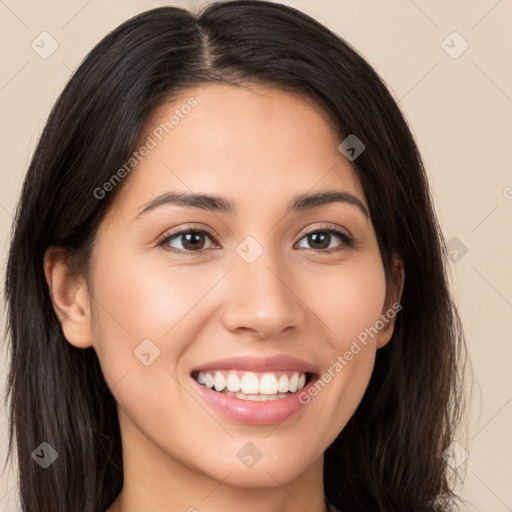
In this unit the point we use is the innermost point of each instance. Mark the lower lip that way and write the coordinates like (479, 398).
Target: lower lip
(254, 413)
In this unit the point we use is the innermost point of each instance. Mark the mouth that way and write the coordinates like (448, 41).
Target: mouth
(254, 386)
(255, 390)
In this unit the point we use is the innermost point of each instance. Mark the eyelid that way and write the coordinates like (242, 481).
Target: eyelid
(326, 226)
(185, 229)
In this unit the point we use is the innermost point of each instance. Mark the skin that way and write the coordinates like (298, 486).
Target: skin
(257, 147)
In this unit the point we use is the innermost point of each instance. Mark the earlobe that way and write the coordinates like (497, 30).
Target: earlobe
(392, 304)
(70, 298)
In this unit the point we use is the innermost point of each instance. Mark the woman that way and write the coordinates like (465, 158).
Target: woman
(226, 286)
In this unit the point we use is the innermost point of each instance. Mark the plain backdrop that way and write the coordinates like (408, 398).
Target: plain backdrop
(447, 63)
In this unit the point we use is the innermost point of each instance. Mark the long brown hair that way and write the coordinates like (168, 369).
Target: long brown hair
(389, 456)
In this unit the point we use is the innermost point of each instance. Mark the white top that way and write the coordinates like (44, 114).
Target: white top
(331, 507)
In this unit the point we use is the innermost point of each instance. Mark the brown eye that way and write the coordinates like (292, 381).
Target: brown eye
(321, 239)
(191, 240)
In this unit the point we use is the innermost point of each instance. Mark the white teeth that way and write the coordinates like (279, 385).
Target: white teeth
(233, 382)
(250, 383)
(262, 398)
(283, 384)
(293, 382)
(256, 398)
(209, 380)
(268, 385)
(219, 381)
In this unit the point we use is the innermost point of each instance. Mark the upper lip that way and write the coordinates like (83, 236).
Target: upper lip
(259, 364)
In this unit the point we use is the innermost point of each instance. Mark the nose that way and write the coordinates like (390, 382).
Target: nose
(262, 299)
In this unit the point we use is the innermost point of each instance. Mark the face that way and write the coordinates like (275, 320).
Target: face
(176, 288)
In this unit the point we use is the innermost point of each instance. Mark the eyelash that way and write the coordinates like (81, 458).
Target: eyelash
(348, 242)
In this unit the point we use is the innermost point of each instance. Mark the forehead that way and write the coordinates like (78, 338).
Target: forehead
(248, 143)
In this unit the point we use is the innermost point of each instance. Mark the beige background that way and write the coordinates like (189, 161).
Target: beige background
(460, 110)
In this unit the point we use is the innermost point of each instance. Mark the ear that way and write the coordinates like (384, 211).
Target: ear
(70, 298)
(392, 302)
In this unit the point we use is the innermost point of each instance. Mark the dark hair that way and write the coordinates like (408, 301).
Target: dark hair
(389, 455)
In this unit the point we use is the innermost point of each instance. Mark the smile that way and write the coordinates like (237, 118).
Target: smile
(255, 386)
(255, 390)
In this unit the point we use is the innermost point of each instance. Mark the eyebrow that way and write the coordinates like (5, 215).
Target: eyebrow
(215, 203)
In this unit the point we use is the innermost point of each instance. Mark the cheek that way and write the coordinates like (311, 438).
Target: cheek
(139, 308)
(145, 300)
(349, 299)
(143, 309)
(349, 304)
